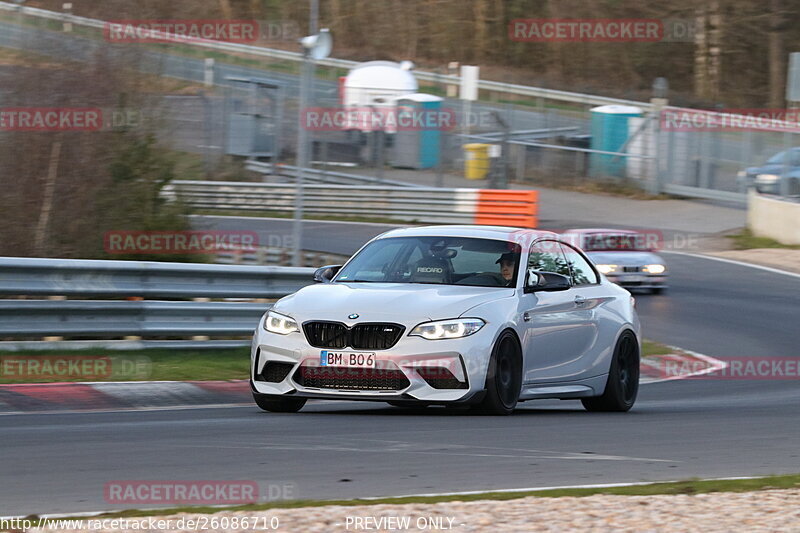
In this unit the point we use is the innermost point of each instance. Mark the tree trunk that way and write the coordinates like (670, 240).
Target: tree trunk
(708, 51)
(777, 61)
(225, 7)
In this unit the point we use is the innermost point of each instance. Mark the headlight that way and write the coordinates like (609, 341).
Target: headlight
(448, 329)
(607, 269)
(280, 324)
(655, 269)
(767, 178)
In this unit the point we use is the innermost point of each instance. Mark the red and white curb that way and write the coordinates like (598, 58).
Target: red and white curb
(124, 395)
(154, 395)
(682, 364)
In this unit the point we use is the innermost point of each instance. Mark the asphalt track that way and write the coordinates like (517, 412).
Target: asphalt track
(678, 429)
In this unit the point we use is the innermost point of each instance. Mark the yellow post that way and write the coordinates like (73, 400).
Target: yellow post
(476, 161)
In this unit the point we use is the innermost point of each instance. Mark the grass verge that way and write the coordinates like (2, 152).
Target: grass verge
(746, 241)
(693, 486)
(136, 365)
(154, 364)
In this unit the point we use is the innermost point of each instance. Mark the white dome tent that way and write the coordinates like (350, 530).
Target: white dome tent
(377, 84)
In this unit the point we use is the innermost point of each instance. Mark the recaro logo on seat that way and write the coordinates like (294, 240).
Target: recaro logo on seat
(438, 270)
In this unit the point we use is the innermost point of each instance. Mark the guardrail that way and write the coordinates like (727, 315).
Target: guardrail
(315, 175)
(419, 204)
(89, 278)
(115, 318)
(706, 194)
(487, 85)
(38, 318)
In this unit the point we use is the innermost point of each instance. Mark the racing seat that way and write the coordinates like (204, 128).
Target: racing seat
(432, 269)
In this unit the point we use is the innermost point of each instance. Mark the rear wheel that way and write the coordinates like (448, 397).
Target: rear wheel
(504, 377)
(623, 378)
(278, 404)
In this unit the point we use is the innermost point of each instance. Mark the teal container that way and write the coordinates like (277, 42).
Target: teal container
(610, 131)
(418, 147)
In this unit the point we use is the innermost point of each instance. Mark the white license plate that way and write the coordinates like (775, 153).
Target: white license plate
(347, 359)
(632, 279)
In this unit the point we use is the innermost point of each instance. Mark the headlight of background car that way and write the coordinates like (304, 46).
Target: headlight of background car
(766, 178)
(606, 269)
(280, 324)
(448, 329)
(655, 269)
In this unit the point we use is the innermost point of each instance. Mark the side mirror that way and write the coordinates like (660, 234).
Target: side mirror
(325, 274)
(546, 281)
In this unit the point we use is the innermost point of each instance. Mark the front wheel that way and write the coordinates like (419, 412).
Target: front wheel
(278, 404)
(623, 378)
(504, 377)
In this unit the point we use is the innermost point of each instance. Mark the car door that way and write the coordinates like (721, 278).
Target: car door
(553, 325)
(594, 328)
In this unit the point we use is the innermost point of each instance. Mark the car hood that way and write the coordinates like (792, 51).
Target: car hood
(396, 302)
(775, 169)
(625, 258)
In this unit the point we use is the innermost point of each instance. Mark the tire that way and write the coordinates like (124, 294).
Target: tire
(278, 404)
(623, 379)
(504, 377)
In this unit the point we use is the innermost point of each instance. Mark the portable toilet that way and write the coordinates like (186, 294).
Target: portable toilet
(610, 132)
(417, 146)
(376, 84)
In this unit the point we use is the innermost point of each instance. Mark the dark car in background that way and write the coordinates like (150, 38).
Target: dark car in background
(779, 175)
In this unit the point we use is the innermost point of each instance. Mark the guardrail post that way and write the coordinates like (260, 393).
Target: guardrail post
(54, 338)
(201, 337)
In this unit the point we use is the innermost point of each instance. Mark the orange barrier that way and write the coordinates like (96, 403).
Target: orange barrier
(507, 208)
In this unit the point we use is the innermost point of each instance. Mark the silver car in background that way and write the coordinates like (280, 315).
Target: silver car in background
(625, 257)
(478, 316)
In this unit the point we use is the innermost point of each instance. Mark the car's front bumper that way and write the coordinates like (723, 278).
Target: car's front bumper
(466, 359)
(639, 281)
(768, 187)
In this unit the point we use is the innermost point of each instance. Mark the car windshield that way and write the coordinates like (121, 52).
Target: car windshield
(780, 158)
(435, 260)
(777, 158)
(613, 242)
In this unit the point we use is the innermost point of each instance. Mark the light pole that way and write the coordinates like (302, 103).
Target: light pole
(317, 46)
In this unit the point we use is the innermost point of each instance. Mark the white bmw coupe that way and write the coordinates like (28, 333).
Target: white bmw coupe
(452, 315)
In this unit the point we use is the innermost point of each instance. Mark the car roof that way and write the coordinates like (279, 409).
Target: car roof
(505, 233)
(589, 231)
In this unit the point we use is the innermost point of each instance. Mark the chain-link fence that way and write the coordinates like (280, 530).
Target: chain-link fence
(544, 137)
